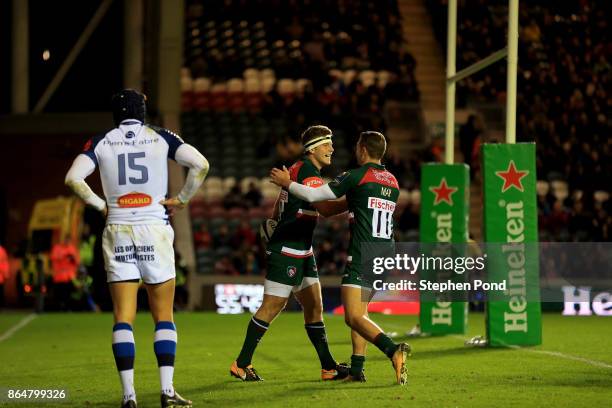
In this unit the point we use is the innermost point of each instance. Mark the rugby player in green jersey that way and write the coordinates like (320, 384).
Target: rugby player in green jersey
(371, 193)
(291, 265)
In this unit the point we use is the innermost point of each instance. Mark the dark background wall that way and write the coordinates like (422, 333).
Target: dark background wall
(33, 166)
(5, 56)
(35, 170)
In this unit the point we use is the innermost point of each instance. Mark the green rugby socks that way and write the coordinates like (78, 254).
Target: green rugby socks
(385, 344)
(318, 338)
(257, 328)
(357, 363)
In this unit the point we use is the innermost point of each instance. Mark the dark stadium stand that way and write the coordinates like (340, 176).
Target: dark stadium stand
(224, 38)
(562, 101)
(251, 81)
(249, 84)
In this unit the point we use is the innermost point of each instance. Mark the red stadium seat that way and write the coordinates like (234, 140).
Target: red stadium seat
(217, 211)
(258, 212)
(236, 212)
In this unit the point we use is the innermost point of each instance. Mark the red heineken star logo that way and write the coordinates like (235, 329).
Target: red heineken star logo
(443, 192)
(512, 177)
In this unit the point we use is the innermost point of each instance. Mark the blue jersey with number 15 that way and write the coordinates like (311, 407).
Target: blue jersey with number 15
(133, 162)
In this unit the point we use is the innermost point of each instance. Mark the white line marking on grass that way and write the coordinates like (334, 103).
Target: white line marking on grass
(21, 324)
(595, 363)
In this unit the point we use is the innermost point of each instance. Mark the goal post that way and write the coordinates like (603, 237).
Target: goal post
(452, 77)
(509, 180)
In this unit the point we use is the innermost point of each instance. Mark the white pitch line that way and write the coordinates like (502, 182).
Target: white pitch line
(595, 363)
(14, 329)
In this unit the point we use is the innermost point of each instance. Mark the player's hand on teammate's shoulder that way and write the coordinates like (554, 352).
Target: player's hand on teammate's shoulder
(280, 177)
(173, 204)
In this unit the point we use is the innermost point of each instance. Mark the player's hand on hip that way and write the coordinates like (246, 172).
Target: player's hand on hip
(173, 204)
(105, 211)
(280, 177)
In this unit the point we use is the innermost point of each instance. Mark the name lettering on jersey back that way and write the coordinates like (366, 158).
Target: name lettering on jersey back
(381, 204)
(132, 200)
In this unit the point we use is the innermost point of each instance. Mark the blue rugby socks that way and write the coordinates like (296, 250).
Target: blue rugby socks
(165, 351)
(124, 351)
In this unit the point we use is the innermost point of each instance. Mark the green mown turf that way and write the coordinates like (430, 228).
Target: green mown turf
(9, 319)
(72, 351)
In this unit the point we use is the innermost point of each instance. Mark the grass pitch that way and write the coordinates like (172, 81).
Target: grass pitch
(72, 351)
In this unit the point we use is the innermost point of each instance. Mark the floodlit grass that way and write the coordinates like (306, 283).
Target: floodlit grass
(73, 352)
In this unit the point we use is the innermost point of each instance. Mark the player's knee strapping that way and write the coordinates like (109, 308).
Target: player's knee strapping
(124, 348)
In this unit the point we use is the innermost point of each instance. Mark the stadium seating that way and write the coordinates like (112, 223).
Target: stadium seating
(250, 80)
(561, 103)
(221, 39)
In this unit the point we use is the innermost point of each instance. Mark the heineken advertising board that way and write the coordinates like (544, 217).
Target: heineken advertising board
(445, 197)
(510, 219)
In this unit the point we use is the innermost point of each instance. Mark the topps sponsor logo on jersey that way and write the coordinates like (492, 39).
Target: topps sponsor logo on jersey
(133, 200)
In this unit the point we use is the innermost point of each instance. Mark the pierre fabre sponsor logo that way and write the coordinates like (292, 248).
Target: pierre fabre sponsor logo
(514, 251)
(442, 312)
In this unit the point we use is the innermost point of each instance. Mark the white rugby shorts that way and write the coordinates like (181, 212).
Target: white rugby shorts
(138, 252)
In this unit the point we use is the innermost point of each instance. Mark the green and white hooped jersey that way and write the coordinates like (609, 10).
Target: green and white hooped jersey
(371, 193)
(297, 218)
